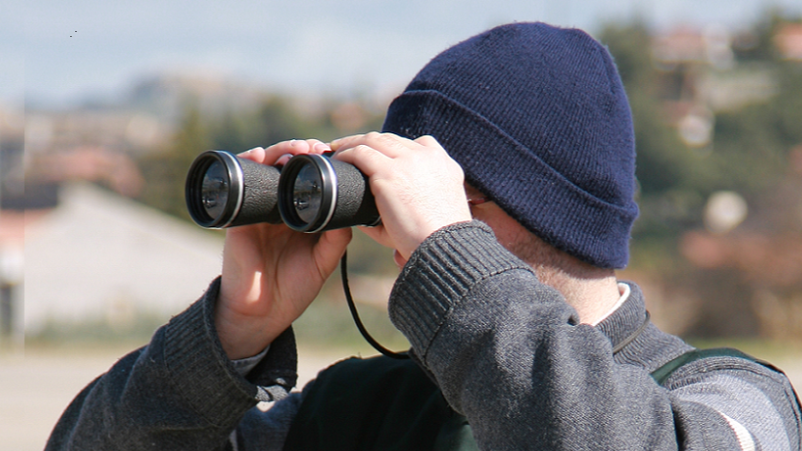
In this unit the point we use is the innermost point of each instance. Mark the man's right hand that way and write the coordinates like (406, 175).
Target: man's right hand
(272, 273)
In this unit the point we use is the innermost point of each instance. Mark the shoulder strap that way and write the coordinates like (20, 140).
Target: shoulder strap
(660, 375)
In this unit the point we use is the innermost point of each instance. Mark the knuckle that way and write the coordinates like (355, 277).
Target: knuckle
(385, 138)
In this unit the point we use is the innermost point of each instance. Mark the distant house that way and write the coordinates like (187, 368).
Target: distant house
(98, 256)
(789, 41)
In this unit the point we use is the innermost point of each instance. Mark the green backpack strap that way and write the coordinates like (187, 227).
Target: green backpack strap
(660, 375)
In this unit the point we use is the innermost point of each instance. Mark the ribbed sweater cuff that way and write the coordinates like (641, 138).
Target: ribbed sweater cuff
(440, 273)
(199, 367)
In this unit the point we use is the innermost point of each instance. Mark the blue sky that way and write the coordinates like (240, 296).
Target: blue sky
(58, 52)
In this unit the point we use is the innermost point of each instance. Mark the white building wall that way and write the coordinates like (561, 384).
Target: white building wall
(99, 255)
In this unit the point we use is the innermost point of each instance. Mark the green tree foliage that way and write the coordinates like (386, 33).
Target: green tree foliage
(757, 44)
(273, 121)
(789, 103)
(165, 171)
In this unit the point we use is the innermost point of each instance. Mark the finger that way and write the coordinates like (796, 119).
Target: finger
(256, 154)
(317, 146)
(427, 140)
(387, 143)
(367, 159)
(283, 160)
(345, 142)
(399, 259)
(274, 153)
(378, 234)
(330, 248)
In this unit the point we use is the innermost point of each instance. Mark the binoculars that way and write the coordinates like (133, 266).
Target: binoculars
(311, 193)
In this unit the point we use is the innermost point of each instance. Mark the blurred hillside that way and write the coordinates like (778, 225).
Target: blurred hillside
(718, 123)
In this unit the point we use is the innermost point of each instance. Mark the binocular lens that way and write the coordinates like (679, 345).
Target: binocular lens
(225, 191)
(214, 190)
(307, 193)
(319, 193)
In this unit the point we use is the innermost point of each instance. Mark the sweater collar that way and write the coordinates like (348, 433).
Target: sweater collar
(626, 319)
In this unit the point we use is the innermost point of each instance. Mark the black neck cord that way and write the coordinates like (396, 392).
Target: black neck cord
(396, 355)
(632, 336)
(355, 315)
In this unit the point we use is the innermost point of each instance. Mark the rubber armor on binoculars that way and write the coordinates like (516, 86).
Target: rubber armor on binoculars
(311, 193)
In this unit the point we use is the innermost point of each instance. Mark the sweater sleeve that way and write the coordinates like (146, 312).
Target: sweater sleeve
(510, 355)
(181, 393)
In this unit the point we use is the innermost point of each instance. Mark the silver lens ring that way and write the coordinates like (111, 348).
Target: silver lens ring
(235, 178)
(329, 179)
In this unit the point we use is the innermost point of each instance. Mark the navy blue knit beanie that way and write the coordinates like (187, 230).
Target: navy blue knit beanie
(539, 121)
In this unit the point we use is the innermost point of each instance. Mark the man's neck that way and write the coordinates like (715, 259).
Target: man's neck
(592, 297)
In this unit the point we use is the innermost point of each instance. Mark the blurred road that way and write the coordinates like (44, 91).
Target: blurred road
(35, 388)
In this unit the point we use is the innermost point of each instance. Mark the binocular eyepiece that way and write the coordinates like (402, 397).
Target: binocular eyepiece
(311, 193)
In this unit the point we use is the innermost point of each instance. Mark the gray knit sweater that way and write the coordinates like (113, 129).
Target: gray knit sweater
(506, 351)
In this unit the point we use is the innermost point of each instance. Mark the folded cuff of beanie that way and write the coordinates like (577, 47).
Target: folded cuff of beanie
(528, 189)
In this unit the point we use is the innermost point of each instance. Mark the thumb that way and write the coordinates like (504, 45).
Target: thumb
(330, 248)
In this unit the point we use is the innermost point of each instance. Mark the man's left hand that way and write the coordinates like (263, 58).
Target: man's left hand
(418, 187)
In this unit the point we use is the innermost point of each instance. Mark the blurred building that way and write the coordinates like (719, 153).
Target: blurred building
(12, 229)
(97, 257)
(701, 76)
(789, 41)
(72, 252)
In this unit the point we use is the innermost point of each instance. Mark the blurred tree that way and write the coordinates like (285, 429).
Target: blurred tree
(757, 44)
(749, 148)
(789, 104)
(272, 121)
(165, 171)
(666, 168)
(276, 121)
(752, 143)
(749, 154)
(235, 132)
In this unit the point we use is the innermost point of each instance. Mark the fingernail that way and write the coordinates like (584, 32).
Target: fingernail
(321, 147)
(283, 159)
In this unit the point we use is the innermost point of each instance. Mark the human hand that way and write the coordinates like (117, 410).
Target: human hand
(418, 187)
(272, 273)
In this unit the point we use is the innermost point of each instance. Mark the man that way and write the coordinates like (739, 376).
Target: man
(522, 338)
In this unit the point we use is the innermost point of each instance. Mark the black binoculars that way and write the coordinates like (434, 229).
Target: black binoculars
(311, 193)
